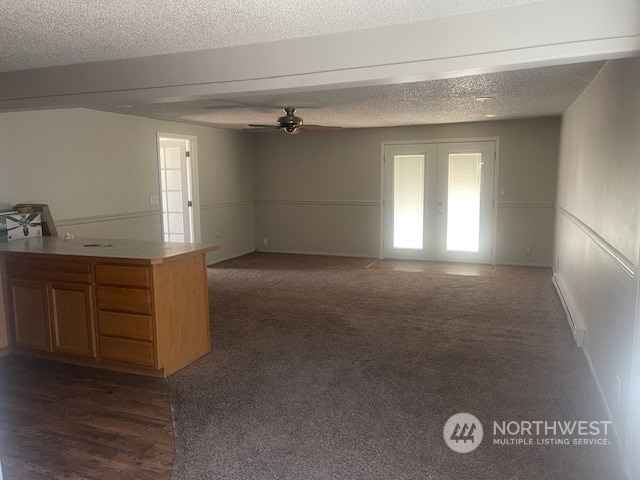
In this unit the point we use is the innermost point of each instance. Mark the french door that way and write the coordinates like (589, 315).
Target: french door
(438, 201)
(176, 188)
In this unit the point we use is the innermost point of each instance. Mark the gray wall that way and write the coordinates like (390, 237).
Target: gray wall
(98, 171)
(320, 191)
(596, 247)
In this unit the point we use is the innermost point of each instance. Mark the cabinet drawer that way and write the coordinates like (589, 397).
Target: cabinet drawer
(123, 276)
(126, 300)
(127, 351)
(57, 271)
(125, 325)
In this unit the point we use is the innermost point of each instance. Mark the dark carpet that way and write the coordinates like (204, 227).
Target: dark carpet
(322, 368)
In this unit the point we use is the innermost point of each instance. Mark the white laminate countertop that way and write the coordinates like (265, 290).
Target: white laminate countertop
(103, 247)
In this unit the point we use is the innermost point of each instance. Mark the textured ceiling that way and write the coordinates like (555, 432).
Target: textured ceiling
(517, 94)
(39, 33)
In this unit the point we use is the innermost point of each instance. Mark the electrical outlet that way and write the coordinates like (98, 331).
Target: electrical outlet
(155, 199)
(265, 241)
(503, 192)
(218, 234)
(618, 388)
(527, 250)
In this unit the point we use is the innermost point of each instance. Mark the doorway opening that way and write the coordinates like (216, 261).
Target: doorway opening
(177, 167)
(439, 201)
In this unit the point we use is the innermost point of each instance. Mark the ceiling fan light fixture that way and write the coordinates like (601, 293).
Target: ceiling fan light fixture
(292, 129)
(292, 124)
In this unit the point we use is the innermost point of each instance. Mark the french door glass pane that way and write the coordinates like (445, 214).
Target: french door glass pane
(172, 157)
(174, 202)
(463, 203)
(174, 180)
(408, 215)
(176, 223)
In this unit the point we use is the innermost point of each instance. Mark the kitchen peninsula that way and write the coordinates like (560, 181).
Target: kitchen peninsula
(133, 306)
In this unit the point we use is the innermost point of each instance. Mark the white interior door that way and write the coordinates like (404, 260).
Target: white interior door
(438, 201)
(465, 201)
(176, 193)
(411, 192)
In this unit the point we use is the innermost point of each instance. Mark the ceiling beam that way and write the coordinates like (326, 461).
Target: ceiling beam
(544, 33)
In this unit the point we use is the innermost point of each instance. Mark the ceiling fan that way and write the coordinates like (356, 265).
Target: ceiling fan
(291, 123)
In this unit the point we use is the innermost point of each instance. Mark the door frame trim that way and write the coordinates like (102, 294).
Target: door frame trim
(193, 162)
(496, 139)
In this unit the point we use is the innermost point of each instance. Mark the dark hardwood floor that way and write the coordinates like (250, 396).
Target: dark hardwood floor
(64, 422)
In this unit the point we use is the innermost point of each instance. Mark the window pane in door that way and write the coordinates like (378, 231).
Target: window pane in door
(176, 223)
(174, 202)
(463, 202)
(174, 180)
(408, 204)
(172, 157)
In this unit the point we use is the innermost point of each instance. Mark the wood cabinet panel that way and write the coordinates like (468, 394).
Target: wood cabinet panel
(30, 314)
(181, 311)
(55, 271)
(126, 325)
(123, 276)
(126, 300)
(127, 351)
(72, 319)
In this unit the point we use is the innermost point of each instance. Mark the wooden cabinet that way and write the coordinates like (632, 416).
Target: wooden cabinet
(30, 314)
(72, 322)
(52, 306)
(148, 316)
(125, 325)
(125, 314)
(127, 351)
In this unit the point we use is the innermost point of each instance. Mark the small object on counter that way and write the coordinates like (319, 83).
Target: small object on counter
(22, 225)
(68, 236)
(48, 226)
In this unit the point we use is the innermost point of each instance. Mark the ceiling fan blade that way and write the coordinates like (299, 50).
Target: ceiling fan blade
(319, 127)
(275, 127)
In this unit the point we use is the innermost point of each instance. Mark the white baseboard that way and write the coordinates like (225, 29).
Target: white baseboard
(359, 255)
(572, 312)
(327, 254)
(524, 264)
(229, 257)
(574, 318)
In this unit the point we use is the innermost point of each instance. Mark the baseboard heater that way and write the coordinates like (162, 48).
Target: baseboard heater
(574, 319)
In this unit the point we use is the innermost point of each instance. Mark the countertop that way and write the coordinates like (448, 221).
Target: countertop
(103, 247)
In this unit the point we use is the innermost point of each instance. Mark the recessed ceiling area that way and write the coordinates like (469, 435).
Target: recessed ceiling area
(41, 33)
(535, 92)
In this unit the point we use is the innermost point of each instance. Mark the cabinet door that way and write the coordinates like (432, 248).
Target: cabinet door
(30, 314)
(72, 319)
